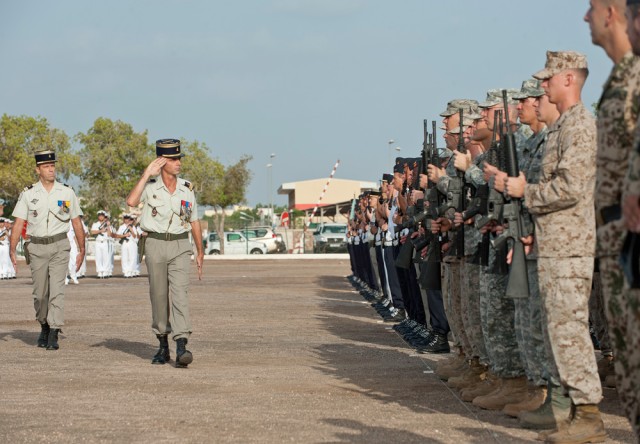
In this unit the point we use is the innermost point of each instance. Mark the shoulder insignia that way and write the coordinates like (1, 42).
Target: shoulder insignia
(29, 187)
(188, 185)
(152, 181)
(68, 186)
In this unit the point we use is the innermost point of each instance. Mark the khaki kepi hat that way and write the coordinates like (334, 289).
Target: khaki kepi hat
(45, 157)
(168, 148)
(558, 61)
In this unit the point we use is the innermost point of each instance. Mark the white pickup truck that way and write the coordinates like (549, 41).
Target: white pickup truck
(234, 243)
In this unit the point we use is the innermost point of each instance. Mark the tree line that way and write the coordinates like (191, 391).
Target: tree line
(108, 161)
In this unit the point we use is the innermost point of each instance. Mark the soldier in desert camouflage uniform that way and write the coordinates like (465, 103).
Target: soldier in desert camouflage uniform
(561, 201)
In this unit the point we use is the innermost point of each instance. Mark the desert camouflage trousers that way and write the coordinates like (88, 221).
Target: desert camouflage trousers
(470, 306)
(565, 286)
(529, 331)
(497, 314)
(622, 306)
(451, 295)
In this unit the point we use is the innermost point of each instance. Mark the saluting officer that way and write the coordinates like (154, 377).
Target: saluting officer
(169, 213)
(47, 206)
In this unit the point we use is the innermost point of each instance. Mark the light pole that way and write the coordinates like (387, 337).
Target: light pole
(390, 142)
(245, 217)
(270, 171)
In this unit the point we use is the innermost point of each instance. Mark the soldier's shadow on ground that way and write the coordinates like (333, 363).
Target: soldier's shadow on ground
(141, 350)
(28, 337)
(358, 432)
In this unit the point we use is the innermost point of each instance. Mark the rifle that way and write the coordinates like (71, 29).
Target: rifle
(462, 201)
(518, 285)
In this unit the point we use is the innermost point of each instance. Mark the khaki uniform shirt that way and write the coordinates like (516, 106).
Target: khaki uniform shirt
(47, 213)
(164, 212)
(562, 201)
(617, 117)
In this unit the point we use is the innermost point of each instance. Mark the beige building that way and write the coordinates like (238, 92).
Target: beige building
(304, 195)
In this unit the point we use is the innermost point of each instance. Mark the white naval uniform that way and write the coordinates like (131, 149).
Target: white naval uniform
(102, 251)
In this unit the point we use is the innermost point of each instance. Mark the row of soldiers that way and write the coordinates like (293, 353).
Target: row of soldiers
(503, 230)
(106, 235)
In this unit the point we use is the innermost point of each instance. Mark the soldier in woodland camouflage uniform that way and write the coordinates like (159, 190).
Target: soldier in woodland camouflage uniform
(561, 202)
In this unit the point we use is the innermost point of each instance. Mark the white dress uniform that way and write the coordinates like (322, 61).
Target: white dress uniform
(5, 262)
(73, 254)
(129, 250)
(102, 250)
(83, 267)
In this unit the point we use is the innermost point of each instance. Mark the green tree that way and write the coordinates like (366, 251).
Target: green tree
(113, 157)
(20, 137)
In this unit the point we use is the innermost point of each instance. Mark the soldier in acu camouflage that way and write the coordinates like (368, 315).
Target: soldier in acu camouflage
(562, 206)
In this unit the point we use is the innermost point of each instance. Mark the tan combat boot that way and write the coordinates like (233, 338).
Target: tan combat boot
(535, 398)
(513, 390)
(555, 409)
(585, 426)
(475, 373)
(452, 367)
(490, 384)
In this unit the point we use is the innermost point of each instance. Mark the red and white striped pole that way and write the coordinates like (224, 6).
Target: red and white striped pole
(335, 167)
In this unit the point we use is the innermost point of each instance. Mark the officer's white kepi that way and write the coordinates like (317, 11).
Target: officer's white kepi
(168, 148)
(45, 157)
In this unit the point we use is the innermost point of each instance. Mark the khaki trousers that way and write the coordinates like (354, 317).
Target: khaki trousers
(49, 264)
(168, 266)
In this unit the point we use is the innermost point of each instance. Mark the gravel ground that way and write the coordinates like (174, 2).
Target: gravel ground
(284, 351)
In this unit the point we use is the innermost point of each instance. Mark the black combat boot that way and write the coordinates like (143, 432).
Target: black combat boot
(438, 344)
(43, 339)
(52, 340)
(162, 356)
(183, 356)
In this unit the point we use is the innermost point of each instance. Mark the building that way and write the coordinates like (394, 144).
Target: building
(305, 195)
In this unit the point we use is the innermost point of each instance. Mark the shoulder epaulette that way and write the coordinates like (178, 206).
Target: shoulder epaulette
(29, 187)
(68, 186)
(188, 185)
(152, 181)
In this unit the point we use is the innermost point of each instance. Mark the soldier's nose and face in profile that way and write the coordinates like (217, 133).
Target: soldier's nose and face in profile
(173, 165)
(596, 17)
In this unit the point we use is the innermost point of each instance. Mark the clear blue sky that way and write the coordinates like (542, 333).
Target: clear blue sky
(309, 80)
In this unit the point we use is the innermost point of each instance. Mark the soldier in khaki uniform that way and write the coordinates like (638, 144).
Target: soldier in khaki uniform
(169, 213)
(563, 211)
(47, 206)
(617, 117)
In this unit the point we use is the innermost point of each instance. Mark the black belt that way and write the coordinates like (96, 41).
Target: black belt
(168, 236)
(48, 240)
(608, 214)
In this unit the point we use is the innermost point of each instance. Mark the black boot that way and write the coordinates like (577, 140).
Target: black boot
(43, 339)
(162, 356)
(438, 344)
(52, 340)
(183, 356)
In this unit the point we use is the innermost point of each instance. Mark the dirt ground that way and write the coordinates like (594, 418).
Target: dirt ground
(284, 351)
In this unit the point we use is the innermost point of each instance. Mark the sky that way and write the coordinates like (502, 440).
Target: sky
(311, 81)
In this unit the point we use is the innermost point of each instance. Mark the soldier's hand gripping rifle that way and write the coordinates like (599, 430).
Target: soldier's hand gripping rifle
(512, 219)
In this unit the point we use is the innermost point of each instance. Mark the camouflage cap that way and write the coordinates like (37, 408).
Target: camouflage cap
(558, 61)
(494, 97)
(530, 88)
(468, 105)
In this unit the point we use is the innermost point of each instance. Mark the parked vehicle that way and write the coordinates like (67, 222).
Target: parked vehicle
(274, 241)
(329, 238)
(234, 243)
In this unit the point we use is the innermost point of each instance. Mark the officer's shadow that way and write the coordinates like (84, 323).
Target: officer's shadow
(141, 350)
(26, 336)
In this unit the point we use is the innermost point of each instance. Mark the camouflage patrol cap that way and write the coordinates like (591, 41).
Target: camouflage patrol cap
(558, 61)
(530, 88)
(452, 107)
(494, 97)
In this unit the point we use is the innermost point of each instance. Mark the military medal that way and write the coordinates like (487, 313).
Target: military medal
(154, 212)
(64, 206)
(185, 212)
